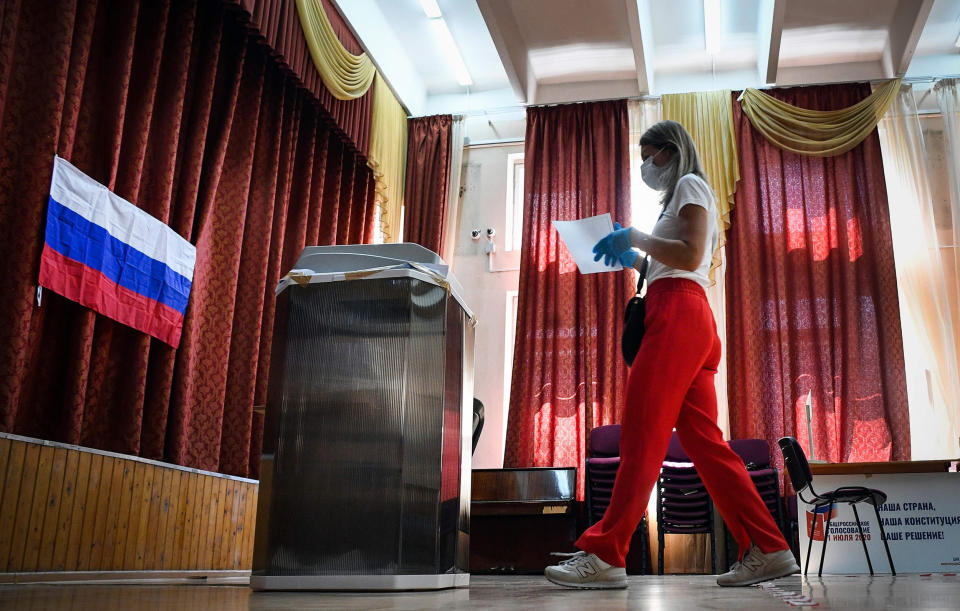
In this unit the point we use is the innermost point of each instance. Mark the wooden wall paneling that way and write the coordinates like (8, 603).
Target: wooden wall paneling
(172, 494)
(10, 501)
(250, 525)
(67, 509)
(211, 507)
(68, 547)
(31, 551)
(233, 541)
(4, 459)
(131, 491)
(223, 524)
(61, 533)
(28, 484)
(181, 525)
(121, 472)
(239, 535)
(157, 520)
(139, 514)
(223, 505)
(196, 528)
(94, 530)
(189, 549)
(51, 511)
(212, 504)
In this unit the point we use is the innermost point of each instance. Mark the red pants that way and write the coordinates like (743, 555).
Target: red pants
(671, 386)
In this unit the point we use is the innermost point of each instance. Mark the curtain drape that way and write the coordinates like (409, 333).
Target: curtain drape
(810, 131)
(568, 374)
(346, 75)
(707, 115)
(812, 296)
(277, 22)
(428, 176)
(457, 126)
(388, 156)
(175, 107)
(928, 323)
(948, 99)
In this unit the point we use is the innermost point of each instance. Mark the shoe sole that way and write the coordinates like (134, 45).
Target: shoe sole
(785, 572)
(590, 585)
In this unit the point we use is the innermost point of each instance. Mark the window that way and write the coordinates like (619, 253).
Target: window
(510, 339)
(514, 216)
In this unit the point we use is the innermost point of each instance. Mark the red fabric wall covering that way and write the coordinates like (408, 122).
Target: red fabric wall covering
(279, 25)
(812, 296)
(173, 106)
(568, 373)
(425, 193)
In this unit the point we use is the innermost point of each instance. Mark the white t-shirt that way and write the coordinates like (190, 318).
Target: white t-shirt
(691, 189)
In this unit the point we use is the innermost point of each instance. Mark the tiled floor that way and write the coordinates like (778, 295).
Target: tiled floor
(495, 592)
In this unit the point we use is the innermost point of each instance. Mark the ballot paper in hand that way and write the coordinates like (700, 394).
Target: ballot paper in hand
(580, 237)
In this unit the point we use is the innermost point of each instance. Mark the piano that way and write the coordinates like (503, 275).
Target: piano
(519, 516)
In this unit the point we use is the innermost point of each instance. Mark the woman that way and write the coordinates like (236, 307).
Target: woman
(671, 382)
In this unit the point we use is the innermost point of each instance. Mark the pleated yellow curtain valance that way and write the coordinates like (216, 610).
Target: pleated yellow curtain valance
(347, 76)
(820, 133)
(708, 117)
(388, 156)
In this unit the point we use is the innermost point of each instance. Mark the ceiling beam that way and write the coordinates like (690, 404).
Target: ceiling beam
(769, 33)
(642, 54)
(904, 33)
(510, 45)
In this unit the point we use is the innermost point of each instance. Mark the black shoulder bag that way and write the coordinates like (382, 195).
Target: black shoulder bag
(633, 318)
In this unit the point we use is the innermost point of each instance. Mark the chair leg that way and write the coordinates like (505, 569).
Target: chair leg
(883, 536)
(659, 550)
(713, 549)
(826, 537)
(659, 530)
(645, 535)
(813, 524)
(863, 541)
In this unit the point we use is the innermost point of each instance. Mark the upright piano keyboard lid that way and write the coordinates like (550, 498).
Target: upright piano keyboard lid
(537, 484)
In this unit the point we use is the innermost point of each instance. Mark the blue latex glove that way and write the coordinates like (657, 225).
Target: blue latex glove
(628, 258)
(612, 245)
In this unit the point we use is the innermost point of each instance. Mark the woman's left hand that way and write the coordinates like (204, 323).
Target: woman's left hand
(612, 245)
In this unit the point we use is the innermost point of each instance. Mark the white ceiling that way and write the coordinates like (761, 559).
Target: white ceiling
(547, 51)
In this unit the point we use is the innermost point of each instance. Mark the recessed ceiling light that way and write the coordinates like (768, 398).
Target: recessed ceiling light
(431, 9)
(711, 26)
(450, 50)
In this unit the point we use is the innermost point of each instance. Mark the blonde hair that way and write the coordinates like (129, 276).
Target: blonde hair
(684, 160)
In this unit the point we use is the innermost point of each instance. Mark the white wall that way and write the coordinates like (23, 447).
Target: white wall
(484, 186)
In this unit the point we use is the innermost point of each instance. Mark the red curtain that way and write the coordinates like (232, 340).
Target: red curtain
(812, 295)
(279, 25)
(425, 195)
(568, 374)
(175, 107)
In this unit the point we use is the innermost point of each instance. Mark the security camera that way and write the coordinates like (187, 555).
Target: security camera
(491, 232)
(475, 234)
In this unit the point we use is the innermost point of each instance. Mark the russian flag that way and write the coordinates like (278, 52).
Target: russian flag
(114, 258)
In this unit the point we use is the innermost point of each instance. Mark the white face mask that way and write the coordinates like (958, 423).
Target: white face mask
(652, 174)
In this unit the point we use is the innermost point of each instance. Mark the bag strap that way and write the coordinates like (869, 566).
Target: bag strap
(646, 260)
(643, 273)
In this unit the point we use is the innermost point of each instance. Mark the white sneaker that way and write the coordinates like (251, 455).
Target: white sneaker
(757, 566)
(586, 571)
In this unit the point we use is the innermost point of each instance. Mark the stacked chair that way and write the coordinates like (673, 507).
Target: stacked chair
(683, 505)
(600, 472)
(755, 454)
